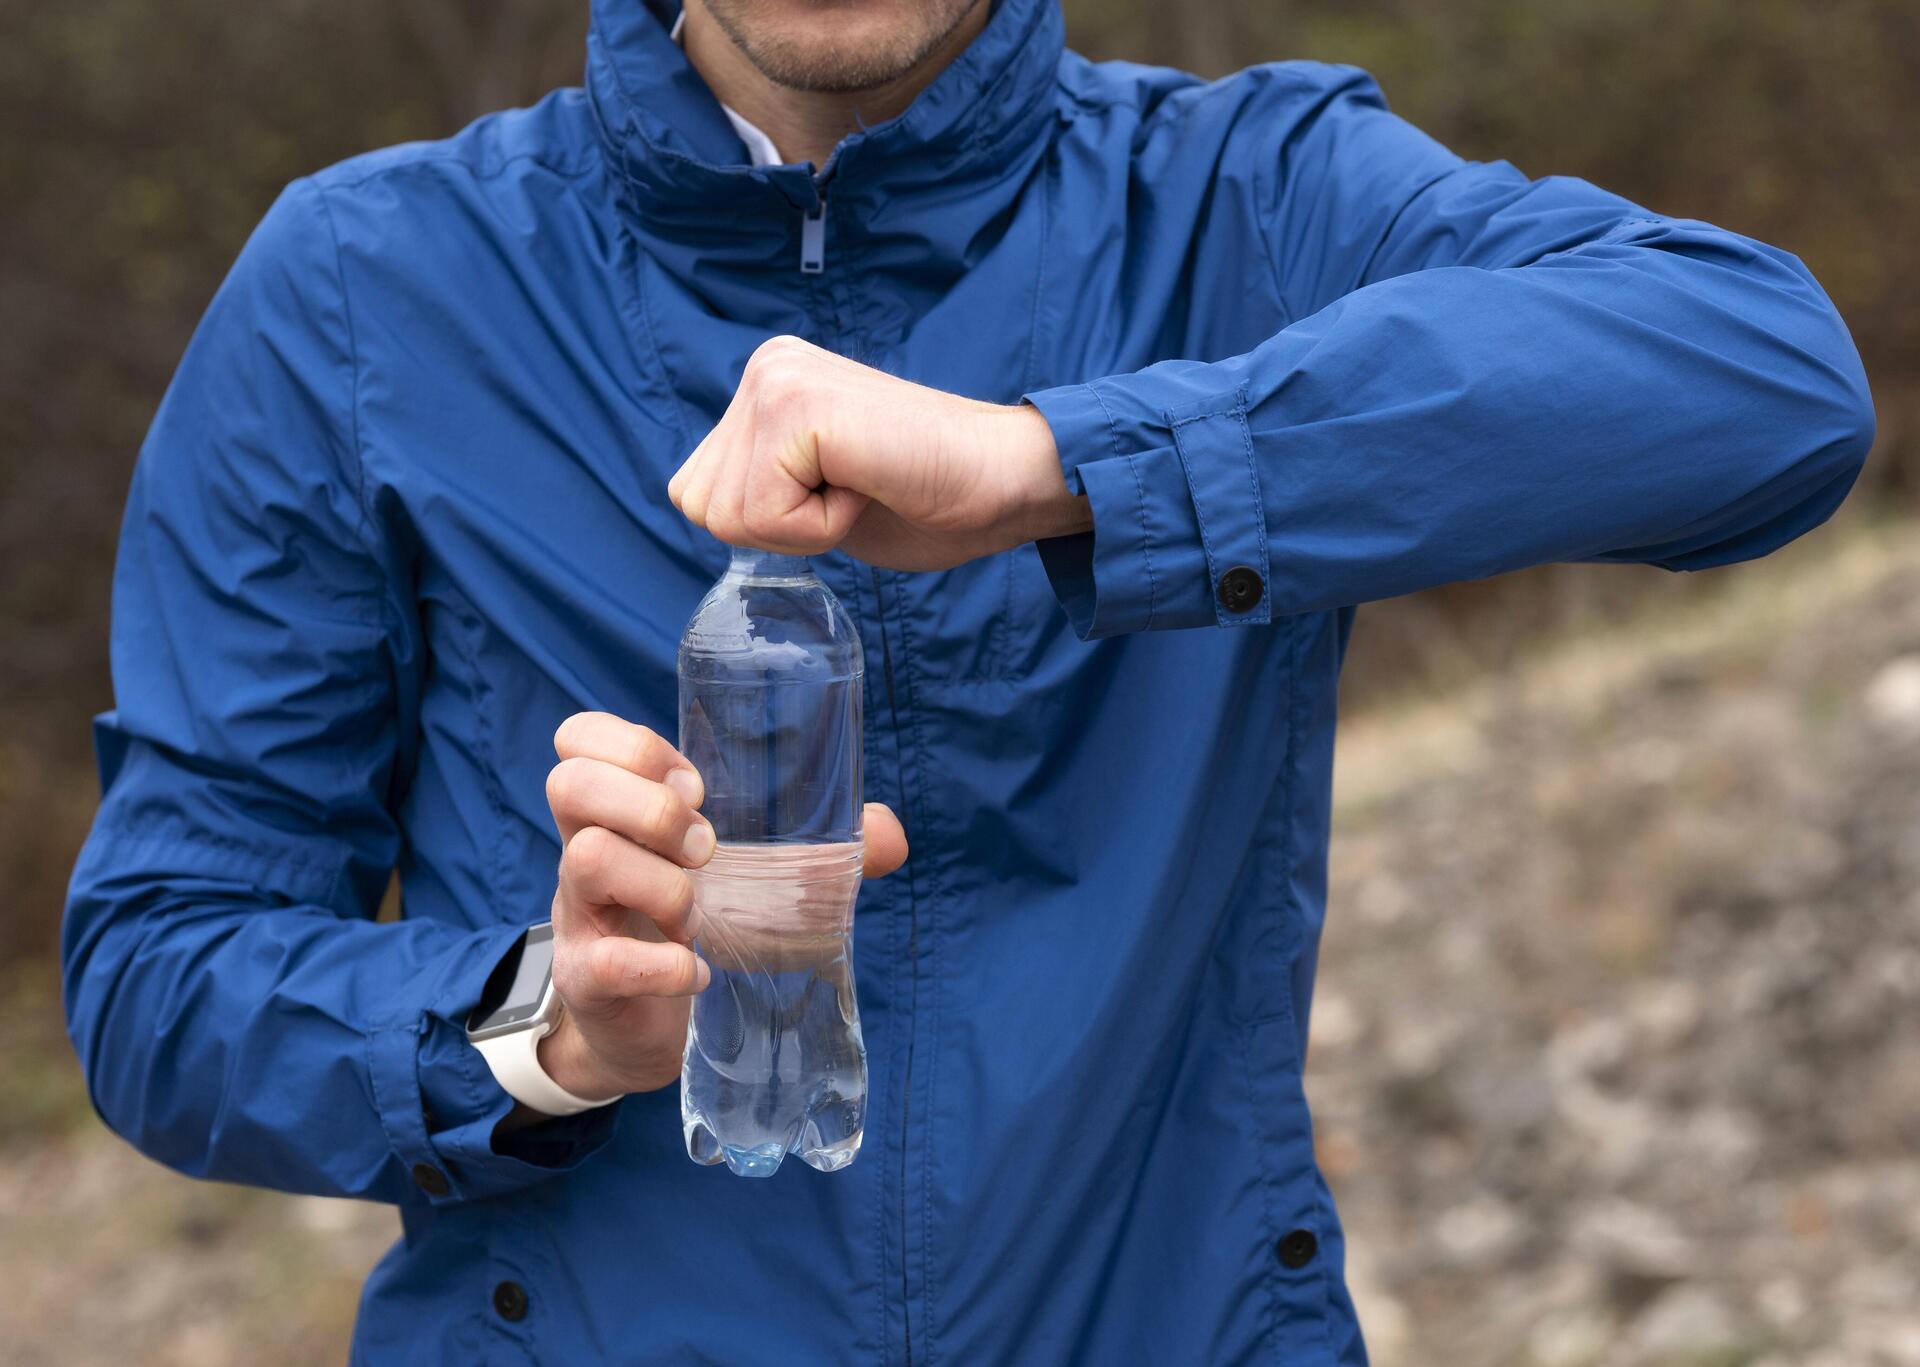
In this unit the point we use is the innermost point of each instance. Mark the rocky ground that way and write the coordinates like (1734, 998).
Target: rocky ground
(1616, 1055)
(1616, 1058)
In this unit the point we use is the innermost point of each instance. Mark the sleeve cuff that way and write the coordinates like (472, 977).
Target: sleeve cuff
(440, 1104)
(1143, 566)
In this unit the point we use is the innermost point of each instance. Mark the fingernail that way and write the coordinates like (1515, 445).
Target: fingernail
(687, 784)
(699, 842)
(702, 975)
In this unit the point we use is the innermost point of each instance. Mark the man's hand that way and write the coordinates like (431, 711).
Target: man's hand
(626, 805)
(817, 451)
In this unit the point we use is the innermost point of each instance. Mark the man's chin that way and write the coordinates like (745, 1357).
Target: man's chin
(823, 75)
(839, 46)
(814, 56)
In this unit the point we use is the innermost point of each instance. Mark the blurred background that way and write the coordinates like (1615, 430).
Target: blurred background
(1617, 1054)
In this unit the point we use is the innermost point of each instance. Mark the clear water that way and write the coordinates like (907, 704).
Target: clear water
(775, 1063)
(770, 714)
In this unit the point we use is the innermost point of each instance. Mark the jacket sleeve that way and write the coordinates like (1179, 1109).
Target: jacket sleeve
(1484, 373)
(236, 1009)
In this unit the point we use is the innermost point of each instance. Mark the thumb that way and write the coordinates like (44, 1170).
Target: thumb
(886, 841)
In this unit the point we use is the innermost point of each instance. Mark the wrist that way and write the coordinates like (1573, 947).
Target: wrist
(1040, 505)
(566, 1059)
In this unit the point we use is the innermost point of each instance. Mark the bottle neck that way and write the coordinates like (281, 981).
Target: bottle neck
(748, 563)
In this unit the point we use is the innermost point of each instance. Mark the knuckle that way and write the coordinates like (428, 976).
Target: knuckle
(776, 349)
(658, 812)
(724, 524)
(570, 784)
(576, 732)
(589, 856)
(675, 976)
(644, 746)
(608, 970)
(557, 794)
(678, 898)
(779, 393)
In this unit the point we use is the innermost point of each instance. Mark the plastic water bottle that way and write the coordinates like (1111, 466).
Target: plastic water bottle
(770, 678)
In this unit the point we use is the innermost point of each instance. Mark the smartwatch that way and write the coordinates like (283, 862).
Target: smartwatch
(518, 1008)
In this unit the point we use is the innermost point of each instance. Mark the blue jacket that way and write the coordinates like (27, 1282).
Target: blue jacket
(403, 510)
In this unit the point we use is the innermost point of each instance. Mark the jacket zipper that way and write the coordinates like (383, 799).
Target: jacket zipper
(813, 238)
(813, 225)
(813, 260)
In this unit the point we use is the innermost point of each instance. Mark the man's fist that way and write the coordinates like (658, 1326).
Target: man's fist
(627, 807)
(817, 451)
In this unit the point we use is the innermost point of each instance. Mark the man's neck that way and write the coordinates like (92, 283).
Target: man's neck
(806, 125)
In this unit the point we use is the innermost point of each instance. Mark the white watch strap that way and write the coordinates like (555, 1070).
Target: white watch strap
(515, 1061)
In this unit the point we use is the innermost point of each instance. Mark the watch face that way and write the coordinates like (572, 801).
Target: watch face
(518, 986)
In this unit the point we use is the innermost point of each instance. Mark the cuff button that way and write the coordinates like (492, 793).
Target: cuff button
(510, 1301)
(1241, 589)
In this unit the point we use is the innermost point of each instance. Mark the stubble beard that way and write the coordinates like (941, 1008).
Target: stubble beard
(799, 57)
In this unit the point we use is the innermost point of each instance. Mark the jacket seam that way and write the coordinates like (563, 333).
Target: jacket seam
(1233, 409)
(1287, 1018)
(1288, 903)
(1140, 499)
(1091, 104)
(365, 528)
(928, 1295)
(1270, 251)
(390, 617)
(1199, 508)
(680, 423)
(1267, 1181)
(1289, 849)
(1028, 381)
(497, 859)
(313, 877)
(1253, 486)
(367, 1044)
(493, 172)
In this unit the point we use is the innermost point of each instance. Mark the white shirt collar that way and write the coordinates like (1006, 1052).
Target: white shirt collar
(760, 148)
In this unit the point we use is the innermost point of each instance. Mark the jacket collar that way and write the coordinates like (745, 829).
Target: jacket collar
(666, 136)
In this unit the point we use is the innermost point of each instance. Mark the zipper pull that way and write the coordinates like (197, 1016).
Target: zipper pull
(813, 239)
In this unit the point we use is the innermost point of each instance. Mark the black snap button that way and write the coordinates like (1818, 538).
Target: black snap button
(510, 1301)
(1241, 589)
(1296, 1250)
(430, 1179)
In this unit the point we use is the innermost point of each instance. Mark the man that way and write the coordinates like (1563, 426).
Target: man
(1045, 335)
